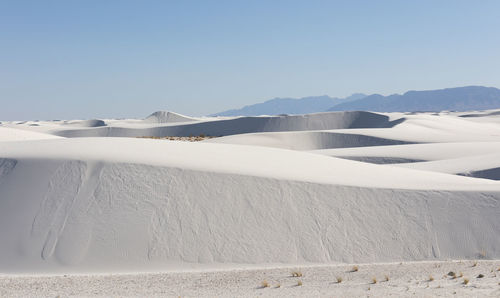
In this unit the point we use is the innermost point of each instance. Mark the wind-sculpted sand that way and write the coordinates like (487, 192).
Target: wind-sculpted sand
(306, 190)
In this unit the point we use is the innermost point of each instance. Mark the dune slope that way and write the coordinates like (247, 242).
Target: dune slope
(241, 125)
(91, 209)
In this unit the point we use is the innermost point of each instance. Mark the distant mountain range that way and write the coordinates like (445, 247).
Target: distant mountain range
(278, 106)
(452, 99)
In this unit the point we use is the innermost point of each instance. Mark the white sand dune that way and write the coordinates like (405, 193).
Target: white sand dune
(464, 165)
(12, 134)
(430, 151)
(87, 123)
(115, 204)
(162, 124)
(308, 140)
(168, 117)
(275, 191)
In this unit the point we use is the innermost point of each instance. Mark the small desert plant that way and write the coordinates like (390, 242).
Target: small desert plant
(482, 254)
(460, 274)
(480, 276)
(339, 279)
(297, 274)
(466, 281)
(278, 285)
(355, 268)
(374, 280)
(431, 278)
(452, 274)
(264, 284)
(475, 264)
(299, 283)
(386, 277)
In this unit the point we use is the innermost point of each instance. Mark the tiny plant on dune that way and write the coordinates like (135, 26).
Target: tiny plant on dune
(431, 278)
(482, 254)
(339, 279)
(480, 276)
(466, 281)
(460, 274)
(386, 277)
(264, 284)
(278, 285)
(355, 268)
(452, 274)
(299, 283)
(374, 280)
(475, 264)
(297, 274)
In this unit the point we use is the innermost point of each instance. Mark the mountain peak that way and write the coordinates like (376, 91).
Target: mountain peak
(456, 99)
(279, 105)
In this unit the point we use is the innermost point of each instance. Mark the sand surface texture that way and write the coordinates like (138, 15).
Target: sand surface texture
(115, 196)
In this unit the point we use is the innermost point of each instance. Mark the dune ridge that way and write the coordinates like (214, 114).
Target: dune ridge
(275, 190)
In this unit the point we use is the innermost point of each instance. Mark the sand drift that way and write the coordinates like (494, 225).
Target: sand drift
(320, 188)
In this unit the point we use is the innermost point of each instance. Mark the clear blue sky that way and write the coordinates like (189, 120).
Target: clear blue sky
(85, 59)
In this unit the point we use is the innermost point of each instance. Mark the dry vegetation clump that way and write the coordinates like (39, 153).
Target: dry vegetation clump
(452, 274)
(431, 278)
(386, 277)
(299, 283)
(278, 285)
(480, 276)
(475, 264)
(264, 284)
(355, 268)
(466, 281)
(191, 138)
(296, 274)
(460, 274)
(339, 279)
(374, 280)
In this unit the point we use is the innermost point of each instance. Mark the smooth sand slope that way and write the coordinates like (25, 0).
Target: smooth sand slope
(272, 197)
(162, 123)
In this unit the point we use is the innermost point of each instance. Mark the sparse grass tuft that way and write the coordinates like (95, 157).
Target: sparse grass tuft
(475, 264)
(264, 284)
(278, 285)
(480, 276)
(339, 279)
(386, 277)
(374, 280)
(482, 254)
(296, 274)
(466, 281)
(460, 274)
(299, 283)
(355, 268)
(431, 278)
(452, 274)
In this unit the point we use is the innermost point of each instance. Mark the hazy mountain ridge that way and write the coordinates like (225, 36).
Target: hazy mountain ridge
(454, 99)
(276, 106)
